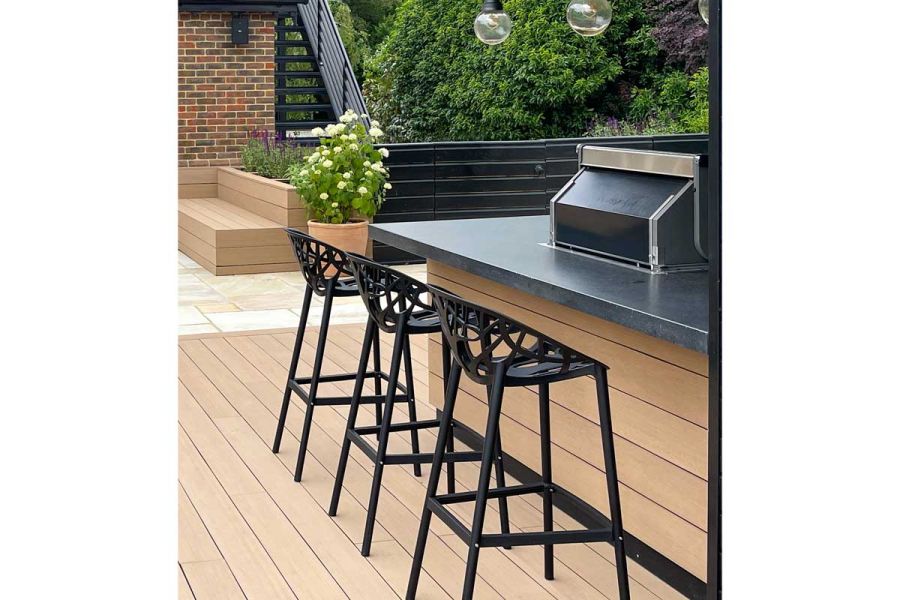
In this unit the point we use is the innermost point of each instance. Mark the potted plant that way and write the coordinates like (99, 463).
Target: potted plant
(343, 182)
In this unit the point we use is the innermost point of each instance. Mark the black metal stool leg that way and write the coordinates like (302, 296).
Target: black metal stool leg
(452, 382)
(612, 480)
(546, 473)
(501, 482)
(484, 480)
(376, 364)
(451, 467)
(314, 380)
(292, 372)
(371, 327)
(393, 376)
(408, 369)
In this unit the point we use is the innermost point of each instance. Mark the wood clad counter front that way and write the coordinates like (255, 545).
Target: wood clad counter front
(659, 402)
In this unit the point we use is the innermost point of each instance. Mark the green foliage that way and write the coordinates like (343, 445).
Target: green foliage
(345, 175)
(432, 79)
(270, 156)
(375, 17)
(675, 103)
(353, 34)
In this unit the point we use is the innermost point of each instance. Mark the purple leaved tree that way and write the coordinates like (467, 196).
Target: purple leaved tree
(680, 32)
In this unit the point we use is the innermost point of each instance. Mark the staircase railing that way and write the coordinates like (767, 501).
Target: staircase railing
(334, 63)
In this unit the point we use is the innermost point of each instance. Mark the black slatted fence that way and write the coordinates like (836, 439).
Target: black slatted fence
(465, 180)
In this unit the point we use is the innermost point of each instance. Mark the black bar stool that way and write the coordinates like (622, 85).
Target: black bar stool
(498, 352)
(396, 305)
(327, 274)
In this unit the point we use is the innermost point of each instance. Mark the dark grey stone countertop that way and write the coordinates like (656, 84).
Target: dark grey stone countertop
(672, 307)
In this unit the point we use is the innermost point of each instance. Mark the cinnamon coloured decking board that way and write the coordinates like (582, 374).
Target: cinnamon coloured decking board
(267, 528)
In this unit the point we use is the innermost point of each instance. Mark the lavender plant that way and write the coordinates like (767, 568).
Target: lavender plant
(271, 155)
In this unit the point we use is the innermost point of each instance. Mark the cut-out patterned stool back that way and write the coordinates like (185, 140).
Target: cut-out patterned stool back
(499, 352)
(327, 274)
(398, 305)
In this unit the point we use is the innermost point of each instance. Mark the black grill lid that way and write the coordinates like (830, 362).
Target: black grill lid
(623, 192)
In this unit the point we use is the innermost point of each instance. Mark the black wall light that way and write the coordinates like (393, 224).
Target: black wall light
(240, 29)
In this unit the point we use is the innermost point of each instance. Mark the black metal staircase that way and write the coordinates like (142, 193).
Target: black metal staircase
(302, 101)
(314, 81)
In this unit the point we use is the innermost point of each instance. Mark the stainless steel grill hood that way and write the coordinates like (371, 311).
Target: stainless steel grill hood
(644, 208)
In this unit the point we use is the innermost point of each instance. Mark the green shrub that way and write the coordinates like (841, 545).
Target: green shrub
(432, 79)
(353, 35)
(675, 103)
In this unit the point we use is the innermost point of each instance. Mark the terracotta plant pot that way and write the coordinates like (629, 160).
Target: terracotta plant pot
(349, 237)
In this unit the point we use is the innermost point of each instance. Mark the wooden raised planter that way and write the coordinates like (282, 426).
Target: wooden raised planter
(265, 197)
(231, 221)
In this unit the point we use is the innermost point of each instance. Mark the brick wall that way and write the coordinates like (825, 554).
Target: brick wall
(224, 90)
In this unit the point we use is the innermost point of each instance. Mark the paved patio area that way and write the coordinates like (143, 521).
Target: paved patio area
(210, 304)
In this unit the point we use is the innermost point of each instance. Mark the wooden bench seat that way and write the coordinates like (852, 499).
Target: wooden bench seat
(227, 239)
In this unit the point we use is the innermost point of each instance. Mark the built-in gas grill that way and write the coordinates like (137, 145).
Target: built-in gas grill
(643, 208)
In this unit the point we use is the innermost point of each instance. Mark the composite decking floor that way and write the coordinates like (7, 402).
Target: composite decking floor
(247, 530)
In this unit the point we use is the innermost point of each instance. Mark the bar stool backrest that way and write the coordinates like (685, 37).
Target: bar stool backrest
(319, 262)
(481, 340)
(388, 294)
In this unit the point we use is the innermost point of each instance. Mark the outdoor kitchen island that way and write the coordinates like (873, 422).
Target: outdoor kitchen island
(651, 330)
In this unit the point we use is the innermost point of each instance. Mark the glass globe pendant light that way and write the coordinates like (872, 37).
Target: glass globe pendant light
(703, 5)
(492, 25)
(589, 17)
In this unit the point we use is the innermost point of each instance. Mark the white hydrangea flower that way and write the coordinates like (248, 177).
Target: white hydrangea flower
(317, 172)
(384, 152)
(354, 147)
(367, 164)
(326, 152)
(388, 186)
(370, 173)
(340, 128)
(348, 175)
(363, 116)
(345, 118)
(376, 124)
(375, 132)
(353, 137)
(377, 165)
(313, 157)
(324, 195)
(362, 190)
(338, 150)
(327, 164)
(334, 205)
(303, 172)
(341, 185)
(345, 137)
(330, 129)
(318, 132)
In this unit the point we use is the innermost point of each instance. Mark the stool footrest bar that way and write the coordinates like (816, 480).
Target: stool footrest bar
(455, 525)
(541, 538)
(374, 429)
(337, 377)
(504, 492)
